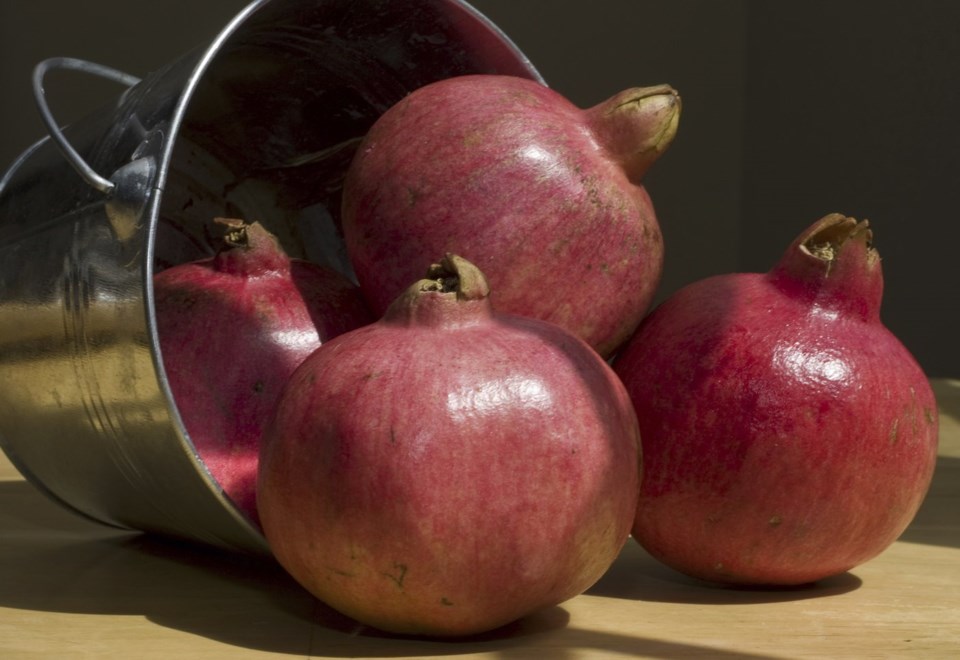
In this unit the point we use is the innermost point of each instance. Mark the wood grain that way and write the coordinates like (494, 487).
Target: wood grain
(70, 588)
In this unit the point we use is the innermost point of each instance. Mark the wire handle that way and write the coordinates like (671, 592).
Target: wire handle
(73, 64)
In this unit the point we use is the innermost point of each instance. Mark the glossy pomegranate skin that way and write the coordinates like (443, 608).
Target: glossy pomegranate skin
(512, 176)
(787, 434)
(232, 328)
(448, 470)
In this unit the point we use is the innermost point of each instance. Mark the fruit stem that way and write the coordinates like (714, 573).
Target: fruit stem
(833, 265)
(636, 126)
(249, 249)
(454, 292)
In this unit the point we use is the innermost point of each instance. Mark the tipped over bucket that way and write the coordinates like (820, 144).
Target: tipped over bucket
(261, 123)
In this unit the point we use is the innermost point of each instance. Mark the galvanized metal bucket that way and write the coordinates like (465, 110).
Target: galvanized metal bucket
(261, 123)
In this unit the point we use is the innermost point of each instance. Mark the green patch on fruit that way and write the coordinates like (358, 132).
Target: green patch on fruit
(397, 575)
(473, 139)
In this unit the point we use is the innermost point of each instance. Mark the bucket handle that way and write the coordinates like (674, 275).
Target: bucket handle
(79, 164)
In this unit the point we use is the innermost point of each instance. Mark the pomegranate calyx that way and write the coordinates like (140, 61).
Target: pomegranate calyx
(637, 125)
(249, 249)
(234, 232)
(453, 292)
(454, 274)
(835, 263)
(827, 239)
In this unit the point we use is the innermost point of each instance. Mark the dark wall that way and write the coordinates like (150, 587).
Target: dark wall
(698, 47)
(133, 36)
(791, 110)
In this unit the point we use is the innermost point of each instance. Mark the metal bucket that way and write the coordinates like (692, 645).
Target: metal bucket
(260, 124)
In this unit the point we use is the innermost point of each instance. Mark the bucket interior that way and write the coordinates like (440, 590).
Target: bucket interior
(276, 116)
(278, 108)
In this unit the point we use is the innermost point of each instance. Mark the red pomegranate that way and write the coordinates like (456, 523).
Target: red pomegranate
(232, 328)
(512, 176)
(449, 469)
(787, 434)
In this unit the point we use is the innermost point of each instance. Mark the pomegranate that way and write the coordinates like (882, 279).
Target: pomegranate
(449, 469)
(232, 328)
(787, 434)
(505, 171)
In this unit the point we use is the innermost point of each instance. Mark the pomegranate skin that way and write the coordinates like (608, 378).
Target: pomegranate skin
(512, 176)
(448, 470)
(788, 435)
(232, 328)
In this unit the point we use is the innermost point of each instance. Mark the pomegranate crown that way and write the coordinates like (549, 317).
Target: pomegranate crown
(457, 275)
(453, 292)
(249, 249)
(835, 264)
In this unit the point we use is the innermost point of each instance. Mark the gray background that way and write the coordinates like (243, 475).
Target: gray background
(792, 109)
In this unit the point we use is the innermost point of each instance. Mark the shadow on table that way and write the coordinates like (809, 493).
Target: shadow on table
(53, 561)
(638, 576)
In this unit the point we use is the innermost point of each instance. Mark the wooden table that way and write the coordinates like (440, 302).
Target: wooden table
(70, 588)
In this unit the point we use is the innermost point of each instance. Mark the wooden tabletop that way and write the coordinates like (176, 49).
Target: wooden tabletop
(70, 588)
